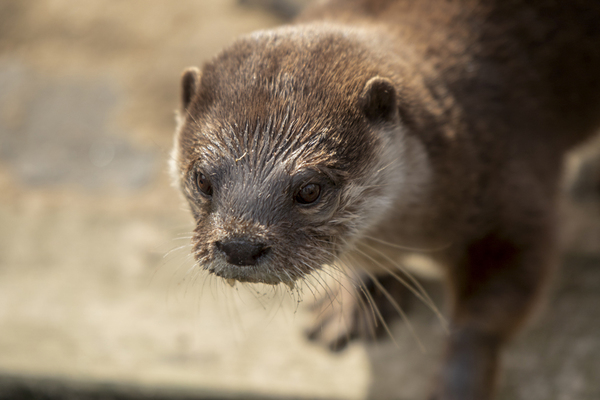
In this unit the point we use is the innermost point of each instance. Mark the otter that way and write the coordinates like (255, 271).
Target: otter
(367, 128)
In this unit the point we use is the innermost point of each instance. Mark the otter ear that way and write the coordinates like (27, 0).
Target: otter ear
(190, 80)
(378, 100)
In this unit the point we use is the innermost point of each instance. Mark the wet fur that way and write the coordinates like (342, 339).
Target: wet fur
(431, 124)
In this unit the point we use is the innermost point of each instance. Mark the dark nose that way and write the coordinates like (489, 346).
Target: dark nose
(242, 252)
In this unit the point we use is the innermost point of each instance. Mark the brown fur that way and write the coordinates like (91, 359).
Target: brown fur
(437, 124)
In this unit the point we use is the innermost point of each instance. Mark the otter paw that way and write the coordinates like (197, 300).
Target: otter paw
(356, 309)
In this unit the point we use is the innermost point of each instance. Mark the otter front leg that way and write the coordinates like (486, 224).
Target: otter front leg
(357, 308)
(494, 289)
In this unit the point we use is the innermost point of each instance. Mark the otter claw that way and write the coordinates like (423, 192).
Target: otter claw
(231, 282)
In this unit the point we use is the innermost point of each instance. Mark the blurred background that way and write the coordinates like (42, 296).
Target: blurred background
(97, 300)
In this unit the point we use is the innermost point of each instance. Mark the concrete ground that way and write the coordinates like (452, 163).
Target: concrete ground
(98, 296)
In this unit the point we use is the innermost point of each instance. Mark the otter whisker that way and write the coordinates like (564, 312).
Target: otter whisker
(168, 253)
(398, 309)
(164, 260)
(368, 309)
(359, 286)
(376, 315)
(324, 283)
(176, 270)
(407, 248)
(310, 287)
(421, 294)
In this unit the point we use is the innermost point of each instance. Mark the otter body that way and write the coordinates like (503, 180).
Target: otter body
(371, 127)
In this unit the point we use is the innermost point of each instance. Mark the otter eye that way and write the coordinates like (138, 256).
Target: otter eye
(308, 194)
(203, 184)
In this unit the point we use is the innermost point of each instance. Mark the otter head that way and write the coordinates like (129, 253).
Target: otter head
(288, 148)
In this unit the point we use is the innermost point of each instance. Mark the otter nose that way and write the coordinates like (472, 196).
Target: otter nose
(242, 252)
